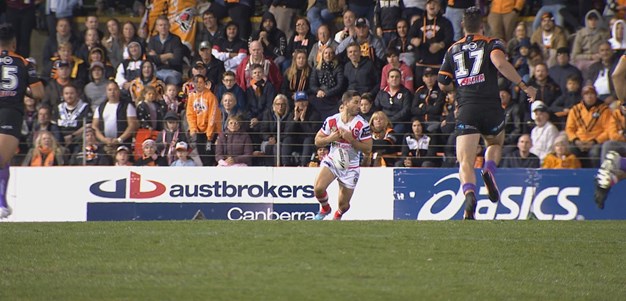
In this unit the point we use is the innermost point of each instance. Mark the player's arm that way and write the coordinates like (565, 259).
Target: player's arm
(445, 77)
(36, 91)
(619, 78)
(322, 139)
(499, 60)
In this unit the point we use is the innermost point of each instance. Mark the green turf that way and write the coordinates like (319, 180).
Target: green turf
(381, 260)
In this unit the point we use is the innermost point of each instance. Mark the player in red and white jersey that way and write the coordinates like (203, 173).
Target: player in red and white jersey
(17, 78)
(348, 135)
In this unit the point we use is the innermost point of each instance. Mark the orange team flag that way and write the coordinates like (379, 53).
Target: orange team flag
(181, 13)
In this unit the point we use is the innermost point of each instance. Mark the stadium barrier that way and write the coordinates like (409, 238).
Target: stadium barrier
(268, 193)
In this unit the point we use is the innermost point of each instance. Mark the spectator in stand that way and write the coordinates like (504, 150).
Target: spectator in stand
(209, 30)
(587, 127)
(322, 12)
(71, 116)
(384, 138)
(214, 67)
(394, 62)
(115, 121)
(599, 73)
(98, 54)
(349, 27)
(512, 120)
(45, 152)
(431, 34)
(587, 40)
(512, 45)
(360, 72)
(428, 103)
(150, 156)
(54, 88)
(549, 38)
(366, 106)
(91, 40)
(520, 59)
(561, 157)
(198, 68)
(148, 77)
(130, 68)
(319, 155)
(233, 146)
(21, 15)
(205, 120)
(112, 42)
(172, 99)
(78, 67)
(230, 85)
(286, 12)
(323, 41)
(150, 109)
(91, 154)
(129, 35)
(370, 45)
(122, 156)
(230, 48)
(170, 136)
(362, 9)
(62, 35)
(302, 125)
(43, 123)
(522, 158)
(92, 23)
(503, 16)
(297, 76)
(544, 133)
(182, 155)
(240, 10)
(552, 7)
(302, 39)
(273, 40)
(279, 113)
(166, 51)
(454, 13)
(271, 72)
(618, 38)
(547, 90)
(562, 105)
(95, 90)
(402, 44)
(395, 101)
(326, 84)
(413, 9)
(386, 15)
(416, 148)
(229, 108)
(562, 71)
(260, 93)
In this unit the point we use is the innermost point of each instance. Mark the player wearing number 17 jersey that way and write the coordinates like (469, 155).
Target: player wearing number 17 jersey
(471, 66)
(348, 135)
(17, 76)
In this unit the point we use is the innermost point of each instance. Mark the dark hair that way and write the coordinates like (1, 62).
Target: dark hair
(7, 34)
(70, 85)
(256, 66)
(391, 51)
(573, 77)
(347, 96)
(368, 96)
(394, 70)
(472, 19)
(228, 73)
(197, 76)
(208, 12)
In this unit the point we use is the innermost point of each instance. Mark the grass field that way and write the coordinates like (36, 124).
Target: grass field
(376, 260)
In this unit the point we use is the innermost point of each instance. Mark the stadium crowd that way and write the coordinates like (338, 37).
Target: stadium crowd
(238, 94)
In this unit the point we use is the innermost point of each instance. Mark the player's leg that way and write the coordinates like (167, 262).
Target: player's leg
(345, 195)
(466, 155)
(323, 180)
(612, 169)
(8, 146)
(493, 154)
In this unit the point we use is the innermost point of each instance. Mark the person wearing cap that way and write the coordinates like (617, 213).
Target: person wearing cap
(209, 29)
(271, 72)
(166, 51)
(115, 121)
(182, 155)
(130, 68)
(213, 67)
(95, 90)
(428, 102)
(503, 16)
(91, 153)
(552, 7)
(563, 70)
(394, 62)
(472, 69)
(234, 146)
(150, 157)
(204, 119)
(431, 34)
(544, 132)
(171, 134)
(550, 38)
(587, 41)
(372, 47)
(230, 48)
(587, 127)
(122, 156)
(302, 123)
(54, 88)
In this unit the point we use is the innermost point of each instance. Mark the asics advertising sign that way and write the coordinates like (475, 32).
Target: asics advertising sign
(435, 194)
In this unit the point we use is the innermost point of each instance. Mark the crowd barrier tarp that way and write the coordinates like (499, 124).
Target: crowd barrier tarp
(435, 194)
(176, 193)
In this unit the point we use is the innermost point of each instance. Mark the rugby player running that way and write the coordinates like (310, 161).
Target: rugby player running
(471, 66)
(17, 78)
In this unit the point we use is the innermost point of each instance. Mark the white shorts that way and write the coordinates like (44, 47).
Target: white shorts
(348, 177)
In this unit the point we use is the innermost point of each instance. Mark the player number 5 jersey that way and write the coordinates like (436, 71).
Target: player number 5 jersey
(16, 74)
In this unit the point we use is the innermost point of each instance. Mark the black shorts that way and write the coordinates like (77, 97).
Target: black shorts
(11, 122)
(487, 120)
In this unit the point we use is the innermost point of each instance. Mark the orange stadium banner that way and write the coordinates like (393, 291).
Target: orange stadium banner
(181, 13)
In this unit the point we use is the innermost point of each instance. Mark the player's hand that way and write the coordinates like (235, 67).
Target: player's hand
(531, 92)
(346, 134)
(335, 135)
